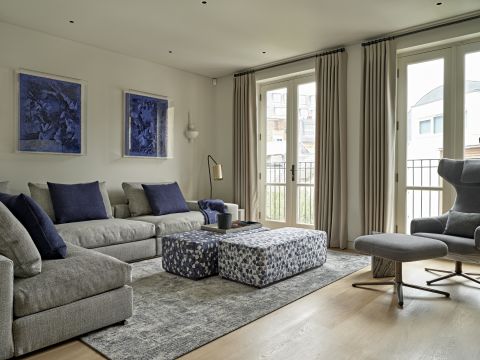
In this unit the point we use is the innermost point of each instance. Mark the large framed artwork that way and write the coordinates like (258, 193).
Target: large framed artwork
(51, 114)
(148, 125)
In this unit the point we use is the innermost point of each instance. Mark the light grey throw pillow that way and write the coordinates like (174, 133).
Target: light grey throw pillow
(462, 224)
(41, 195)
(138, 203)
(3, 186)
(17, 245)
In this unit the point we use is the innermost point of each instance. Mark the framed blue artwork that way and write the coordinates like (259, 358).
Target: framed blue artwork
(148, 122)
(51, 112)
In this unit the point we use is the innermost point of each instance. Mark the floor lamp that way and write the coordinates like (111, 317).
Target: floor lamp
(217, 172)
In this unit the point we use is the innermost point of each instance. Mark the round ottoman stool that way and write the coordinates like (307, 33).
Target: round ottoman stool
(400, 248)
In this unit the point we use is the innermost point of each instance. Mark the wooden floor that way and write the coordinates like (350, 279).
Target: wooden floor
(342, 322)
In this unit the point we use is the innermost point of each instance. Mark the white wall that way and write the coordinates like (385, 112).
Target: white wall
(107, 74)
(224, 103)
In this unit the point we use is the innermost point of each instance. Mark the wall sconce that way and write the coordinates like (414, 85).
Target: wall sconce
(191, 133)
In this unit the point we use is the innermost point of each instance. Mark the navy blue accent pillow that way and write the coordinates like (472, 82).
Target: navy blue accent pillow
(165, 199)
(77, 202)
(49, 243)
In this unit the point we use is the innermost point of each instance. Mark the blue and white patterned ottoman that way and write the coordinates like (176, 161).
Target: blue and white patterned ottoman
(194, 254)
(264, 258)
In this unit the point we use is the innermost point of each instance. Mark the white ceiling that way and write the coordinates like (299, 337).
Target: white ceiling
(223, 36)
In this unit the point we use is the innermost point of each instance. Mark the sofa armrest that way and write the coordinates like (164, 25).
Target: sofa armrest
(477, 238)
(231, 208)
(435, 225)
(6, 307)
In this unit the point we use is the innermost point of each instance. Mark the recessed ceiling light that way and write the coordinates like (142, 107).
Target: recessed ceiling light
(71, 22)
(438, 3)
(170, 51)
(264, 52)
(204, 2)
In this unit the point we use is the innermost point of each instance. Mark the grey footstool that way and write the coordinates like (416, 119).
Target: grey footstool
(400, 248)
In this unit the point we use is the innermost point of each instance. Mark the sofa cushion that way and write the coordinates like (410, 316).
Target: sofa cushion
(40, 227)
(462, 224)
(165, 199)
(137, 199)
(98, 233)
(77, 202)
(456, 244)
(17, 245)
(83, 273)
(174, 223)
(41, 194)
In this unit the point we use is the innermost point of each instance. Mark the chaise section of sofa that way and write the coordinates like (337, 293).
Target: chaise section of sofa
(83, 292)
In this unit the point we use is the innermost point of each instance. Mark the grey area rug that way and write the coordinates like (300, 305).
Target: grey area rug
(174, 315)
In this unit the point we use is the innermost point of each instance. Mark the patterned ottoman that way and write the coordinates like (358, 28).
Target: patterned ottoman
(263, 258)
(194, 254)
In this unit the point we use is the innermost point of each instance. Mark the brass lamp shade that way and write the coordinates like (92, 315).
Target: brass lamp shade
(217, 172)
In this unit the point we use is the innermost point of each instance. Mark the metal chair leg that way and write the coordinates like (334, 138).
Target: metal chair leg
(438, 270)
(429, 282)
(398, 284)
(470, 278)
(427, 289)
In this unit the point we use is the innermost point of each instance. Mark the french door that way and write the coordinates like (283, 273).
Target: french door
(438, 116)
(287, 143)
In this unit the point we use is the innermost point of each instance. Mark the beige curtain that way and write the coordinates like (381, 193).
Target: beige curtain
(245, 144)
(378, 136)
(331, 148)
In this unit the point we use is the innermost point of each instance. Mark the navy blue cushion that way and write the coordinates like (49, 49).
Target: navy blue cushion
(77, 202)
(165, 199)
(49, 243)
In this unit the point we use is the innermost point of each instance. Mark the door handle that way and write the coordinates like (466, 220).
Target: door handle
(292, 170)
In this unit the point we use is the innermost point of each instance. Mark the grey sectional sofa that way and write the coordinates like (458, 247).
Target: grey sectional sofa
(88, 289)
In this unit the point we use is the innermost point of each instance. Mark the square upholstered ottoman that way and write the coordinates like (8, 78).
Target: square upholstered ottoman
(264, 258)
(194, 254)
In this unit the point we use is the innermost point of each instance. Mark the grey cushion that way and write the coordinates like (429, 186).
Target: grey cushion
(41, 195)
(121, 211)
(400, 247)
(17, 245)
(456, 244)
(462, 224)
(137, 200)
(98, 233)
(174, 223)
(3, 186)
(83, 273)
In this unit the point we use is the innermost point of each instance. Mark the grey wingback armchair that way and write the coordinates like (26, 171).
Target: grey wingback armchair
(464, 175)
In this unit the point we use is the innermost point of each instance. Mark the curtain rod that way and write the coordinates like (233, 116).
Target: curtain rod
(427, 28)
(290, 61)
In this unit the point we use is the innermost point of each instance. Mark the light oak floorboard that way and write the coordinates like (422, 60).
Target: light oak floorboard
(342, 322)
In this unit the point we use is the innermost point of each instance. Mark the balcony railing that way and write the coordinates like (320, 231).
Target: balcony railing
(276, 192)
(424, 189)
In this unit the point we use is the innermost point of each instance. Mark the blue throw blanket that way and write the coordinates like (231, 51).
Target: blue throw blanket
(210, 208)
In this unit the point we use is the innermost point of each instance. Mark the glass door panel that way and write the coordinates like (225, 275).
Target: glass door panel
(305, 171)
(276, 155)
(424, 138)
(472, 105)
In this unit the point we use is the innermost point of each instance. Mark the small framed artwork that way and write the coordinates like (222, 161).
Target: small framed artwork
(148, 125)
(51, 114)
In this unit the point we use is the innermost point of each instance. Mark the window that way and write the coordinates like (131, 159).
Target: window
(425, 127)
(438, 124)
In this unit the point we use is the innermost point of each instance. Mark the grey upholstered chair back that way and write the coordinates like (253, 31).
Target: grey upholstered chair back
(464, 175)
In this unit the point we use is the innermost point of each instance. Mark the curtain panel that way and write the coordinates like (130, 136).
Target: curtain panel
(378, 136)
(245, 144)
(331, 148)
